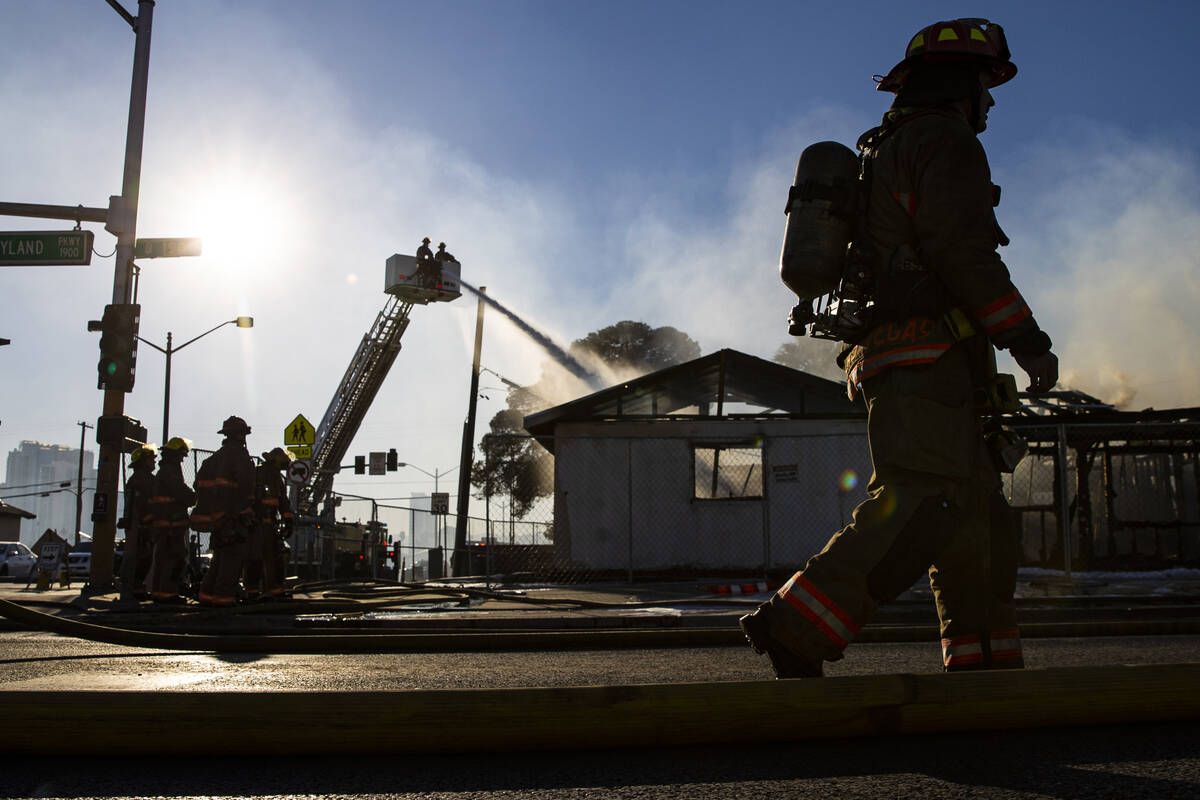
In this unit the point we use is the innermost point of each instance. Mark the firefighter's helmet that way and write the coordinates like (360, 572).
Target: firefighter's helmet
(144, 455)
(426, 240)
(954, 42)
(234, 426)
(178, 446)
(278, 458)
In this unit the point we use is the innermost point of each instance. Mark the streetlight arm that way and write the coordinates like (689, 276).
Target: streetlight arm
(152, 344)
(201, 336)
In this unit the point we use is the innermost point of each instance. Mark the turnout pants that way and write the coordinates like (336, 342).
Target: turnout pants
(252, 570)
(220, 585)
(135, 565)
(934, 505)
(170, 556)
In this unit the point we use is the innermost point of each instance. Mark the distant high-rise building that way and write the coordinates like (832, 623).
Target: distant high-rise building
(35, 471)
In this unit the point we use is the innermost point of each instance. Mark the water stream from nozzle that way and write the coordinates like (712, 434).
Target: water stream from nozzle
(564, 358)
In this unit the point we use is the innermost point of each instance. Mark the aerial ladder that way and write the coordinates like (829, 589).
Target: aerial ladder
(408, 282)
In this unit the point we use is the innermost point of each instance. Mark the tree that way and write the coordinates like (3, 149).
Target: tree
(516, 465)
(512, 463)
(814, 356)
(638, 346)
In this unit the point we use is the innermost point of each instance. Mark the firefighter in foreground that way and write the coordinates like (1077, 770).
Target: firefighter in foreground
(139, 545)
(169, 505)
(925, 365)
(273, 525)
(224, 508)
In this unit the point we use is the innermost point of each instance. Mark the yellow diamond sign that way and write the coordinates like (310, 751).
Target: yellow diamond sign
(299, 431)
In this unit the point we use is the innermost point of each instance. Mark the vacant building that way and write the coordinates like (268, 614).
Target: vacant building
(727, 463)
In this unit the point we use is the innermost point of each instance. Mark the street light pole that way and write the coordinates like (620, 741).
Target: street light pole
(168, 351)
(83, 426)
(438, 536)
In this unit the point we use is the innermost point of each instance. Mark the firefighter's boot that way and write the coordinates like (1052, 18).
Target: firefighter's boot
(787, 664)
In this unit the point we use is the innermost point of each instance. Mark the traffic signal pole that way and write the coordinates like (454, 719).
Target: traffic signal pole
(122, 222)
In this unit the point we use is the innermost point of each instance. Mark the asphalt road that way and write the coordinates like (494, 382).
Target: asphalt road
(1149, 760)
(31, 660)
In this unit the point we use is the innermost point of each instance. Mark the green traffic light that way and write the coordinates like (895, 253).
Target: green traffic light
(110, 368)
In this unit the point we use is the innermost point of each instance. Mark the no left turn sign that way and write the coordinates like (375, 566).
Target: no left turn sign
(299, 471)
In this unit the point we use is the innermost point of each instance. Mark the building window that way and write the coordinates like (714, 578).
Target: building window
(727, 471)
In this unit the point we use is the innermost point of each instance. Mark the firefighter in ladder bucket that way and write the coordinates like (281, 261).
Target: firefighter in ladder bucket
(920, 299)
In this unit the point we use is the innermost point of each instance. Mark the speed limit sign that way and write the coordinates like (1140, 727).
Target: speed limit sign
(299, 470)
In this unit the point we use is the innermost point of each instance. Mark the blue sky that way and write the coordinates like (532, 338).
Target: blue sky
(588, 162)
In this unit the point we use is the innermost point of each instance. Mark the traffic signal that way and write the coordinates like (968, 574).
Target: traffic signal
(393, 460)
(360, 465)
(125, 433)
(118, 346)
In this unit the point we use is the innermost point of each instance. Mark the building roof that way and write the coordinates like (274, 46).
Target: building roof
(710, 387)
(7, 510)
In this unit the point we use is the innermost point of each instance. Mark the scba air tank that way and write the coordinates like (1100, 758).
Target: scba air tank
(821, 210)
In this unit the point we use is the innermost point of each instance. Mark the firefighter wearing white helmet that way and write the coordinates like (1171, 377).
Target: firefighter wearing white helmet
(263, 576)
(169, 506)
(135, 563)
(924, 363)
(224, 508)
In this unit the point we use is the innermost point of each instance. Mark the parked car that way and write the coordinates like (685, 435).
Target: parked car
(16, 559)
(79, 560)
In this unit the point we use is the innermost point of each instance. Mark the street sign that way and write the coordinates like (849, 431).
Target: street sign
(166, 248)
(300, 450)
(439, 503)
(46, 248)
(298, 471)
(299, 431)
(377, 465)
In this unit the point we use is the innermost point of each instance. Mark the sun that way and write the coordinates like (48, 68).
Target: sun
(243, 220)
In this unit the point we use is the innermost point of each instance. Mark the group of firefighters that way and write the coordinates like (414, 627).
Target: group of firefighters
(242, 506)
(429, 263)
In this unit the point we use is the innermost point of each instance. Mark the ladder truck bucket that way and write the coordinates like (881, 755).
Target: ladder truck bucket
(438, 282)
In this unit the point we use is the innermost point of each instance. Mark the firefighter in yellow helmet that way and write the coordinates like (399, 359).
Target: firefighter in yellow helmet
(925, 367)
(139, 546)
(224, 508)
(264, 572)
(169, 505)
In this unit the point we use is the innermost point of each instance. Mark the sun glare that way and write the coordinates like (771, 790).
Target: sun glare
(243, 221)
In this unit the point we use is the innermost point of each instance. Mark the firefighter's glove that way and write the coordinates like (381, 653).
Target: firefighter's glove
(1042, 370)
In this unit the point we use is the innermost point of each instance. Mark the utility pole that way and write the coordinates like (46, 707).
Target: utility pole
(122, 222)
(83, 426)
(461, 558)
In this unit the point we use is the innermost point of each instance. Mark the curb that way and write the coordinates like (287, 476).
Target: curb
(588, 717)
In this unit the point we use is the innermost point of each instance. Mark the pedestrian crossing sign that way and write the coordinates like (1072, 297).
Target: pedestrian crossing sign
(299, 431)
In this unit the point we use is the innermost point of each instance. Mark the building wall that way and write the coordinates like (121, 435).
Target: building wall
(10, 528)
(625, 494)
(47, 465)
